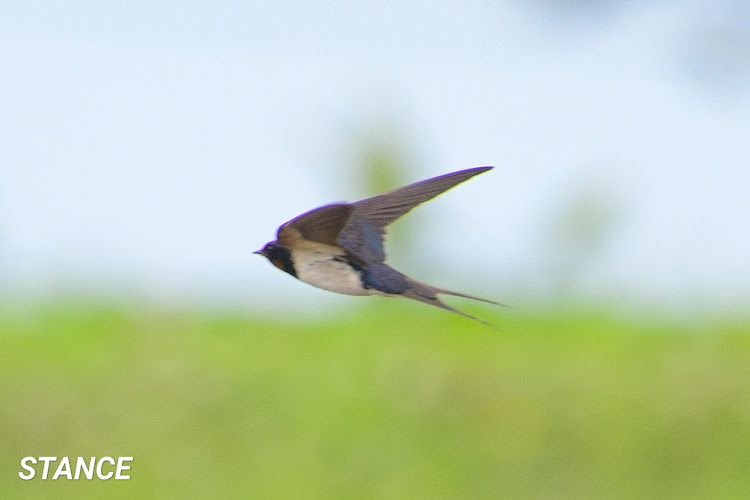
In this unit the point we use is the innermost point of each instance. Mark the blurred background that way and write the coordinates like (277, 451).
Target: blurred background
(146, 149)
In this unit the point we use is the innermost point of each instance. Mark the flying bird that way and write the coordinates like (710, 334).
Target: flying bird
(339, 247)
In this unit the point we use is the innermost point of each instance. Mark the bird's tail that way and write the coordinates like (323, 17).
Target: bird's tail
(429, 295)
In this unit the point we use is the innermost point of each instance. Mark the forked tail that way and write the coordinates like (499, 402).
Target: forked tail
(429, 295)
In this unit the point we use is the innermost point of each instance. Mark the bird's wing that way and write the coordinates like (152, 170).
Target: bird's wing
(321, 225)
(363, 235)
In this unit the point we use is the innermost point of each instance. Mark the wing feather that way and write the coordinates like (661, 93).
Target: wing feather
(363, 236)
(386, 208)
(359, 227)
(322, 225)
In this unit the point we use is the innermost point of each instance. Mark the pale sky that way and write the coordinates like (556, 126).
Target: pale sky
(151, 147)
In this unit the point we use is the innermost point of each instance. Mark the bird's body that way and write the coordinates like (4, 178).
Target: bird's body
(329, 270)
(339, 247)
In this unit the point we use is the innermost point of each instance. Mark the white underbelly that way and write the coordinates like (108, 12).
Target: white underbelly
(319, 270)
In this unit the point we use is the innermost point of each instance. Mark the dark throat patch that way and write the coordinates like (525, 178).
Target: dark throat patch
(282, 258)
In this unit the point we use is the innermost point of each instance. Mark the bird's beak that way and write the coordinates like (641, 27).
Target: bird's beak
(259, 252)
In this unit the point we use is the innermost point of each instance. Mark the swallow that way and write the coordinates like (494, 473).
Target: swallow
(339, 247)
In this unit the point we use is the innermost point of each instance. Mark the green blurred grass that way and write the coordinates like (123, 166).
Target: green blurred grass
(390, 401)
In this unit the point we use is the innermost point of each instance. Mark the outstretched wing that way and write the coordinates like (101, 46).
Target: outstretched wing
(363, 235)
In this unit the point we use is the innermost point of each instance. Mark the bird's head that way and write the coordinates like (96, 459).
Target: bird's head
(268, 250)
(279, 256)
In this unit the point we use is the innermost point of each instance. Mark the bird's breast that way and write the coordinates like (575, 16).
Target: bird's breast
(329, 271)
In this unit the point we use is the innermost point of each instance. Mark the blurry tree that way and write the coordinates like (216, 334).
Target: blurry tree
(383, 165)
(381, 158)
(579, 234)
